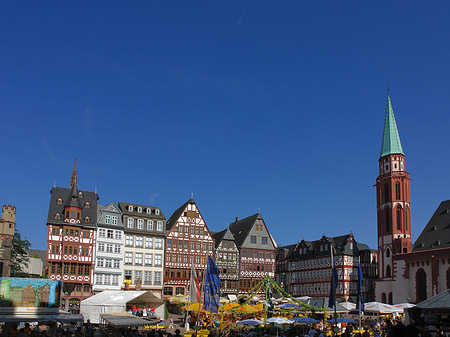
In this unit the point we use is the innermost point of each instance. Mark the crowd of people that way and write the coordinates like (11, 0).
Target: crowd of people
(141, 312)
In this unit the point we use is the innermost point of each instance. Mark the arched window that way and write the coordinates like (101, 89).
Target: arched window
(386, 193)
(383, 298)
(388, 252)
(421, 285)
(399, 218)
(388, 271)
(397, 190)
(388, 221)
(448, 278)
(390, 301)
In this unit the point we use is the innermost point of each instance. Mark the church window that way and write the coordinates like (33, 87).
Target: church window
(388, 252)
(388, 221)
(388, 271)
(390, 299)
(399, 217)
(397, 190)
(421, 285)
(386, 193)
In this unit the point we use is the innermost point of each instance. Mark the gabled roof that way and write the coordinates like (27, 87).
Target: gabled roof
(339, 243)
(123, 206)
(177, 214)
(436, 234)
(241, 228)
(439, 301)
(66, 194)
(287, 250)
(391, 139)
(223, 235)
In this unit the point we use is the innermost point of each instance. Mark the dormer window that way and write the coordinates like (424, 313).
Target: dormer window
(87, 205)
(130, 208)
(157, 211)
(59, 201)
(87, 219)
(149, 211)
(80, 194)
(139, 209)
(57, 216)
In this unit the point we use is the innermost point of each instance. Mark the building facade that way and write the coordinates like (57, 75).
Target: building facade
(144, 232)
(7, 226)
(227, 257)
(188, 242)
(108, 248)
(257, 250)
(282, 272)
(71, 225)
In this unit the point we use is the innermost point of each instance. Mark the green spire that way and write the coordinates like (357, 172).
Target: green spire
(391, 140)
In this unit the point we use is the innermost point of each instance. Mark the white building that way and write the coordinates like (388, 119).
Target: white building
(108, 248)
(144, 228)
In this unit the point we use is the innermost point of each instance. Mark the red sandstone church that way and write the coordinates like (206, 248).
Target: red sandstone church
(408, 273)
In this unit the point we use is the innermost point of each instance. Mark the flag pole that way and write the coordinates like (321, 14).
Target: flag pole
(186, 324)
(201, 293)
(359, 295)
(334, 289)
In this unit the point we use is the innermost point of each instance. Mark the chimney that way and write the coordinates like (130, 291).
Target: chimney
(237, 219)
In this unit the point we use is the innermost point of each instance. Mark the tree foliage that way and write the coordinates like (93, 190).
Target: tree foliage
(19, 258)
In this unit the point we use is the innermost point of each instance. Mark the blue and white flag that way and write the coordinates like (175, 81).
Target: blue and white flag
(212, 287)
(359, 298)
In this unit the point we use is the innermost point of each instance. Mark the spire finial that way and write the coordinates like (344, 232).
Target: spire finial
(388, 90)
(192, 195)
(74, 177)
(54, 184)
(259, 210)
(95, 189)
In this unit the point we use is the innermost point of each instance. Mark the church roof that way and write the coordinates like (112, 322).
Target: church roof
(391, 140)
(436, 234)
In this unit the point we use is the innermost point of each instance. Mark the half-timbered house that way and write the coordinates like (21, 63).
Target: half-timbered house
(226, 255)
(71, 226)
(257, 249)
(188, 241)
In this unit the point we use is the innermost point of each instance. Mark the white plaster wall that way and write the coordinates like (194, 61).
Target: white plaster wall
(412, 280)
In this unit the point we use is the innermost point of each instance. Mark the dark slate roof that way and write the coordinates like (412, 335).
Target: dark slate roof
(288, 250)
(177, 214)
(241, 228)
(436, 234)
(225, 234)
(123, 206)
(66, 195)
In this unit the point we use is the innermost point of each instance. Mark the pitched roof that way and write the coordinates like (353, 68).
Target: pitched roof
(436, 234)
(439, 301)
(391, 139)
(241, 228)
(223, 235)
(288, 249)
(66, 195)
(177, 214)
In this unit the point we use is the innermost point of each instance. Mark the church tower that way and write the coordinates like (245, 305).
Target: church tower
(393, 198)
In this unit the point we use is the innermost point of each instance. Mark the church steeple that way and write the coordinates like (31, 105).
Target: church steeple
(391, 140)
(74, 177)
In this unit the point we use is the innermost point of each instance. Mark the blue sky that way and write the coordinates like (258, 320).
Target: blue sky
(247, 104)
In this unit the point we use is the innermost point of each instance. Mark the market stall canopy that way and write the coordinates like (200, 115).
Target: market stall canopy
(113, 297)
(122, 319)
(402, 306)
(322, 302)
(348, 305)
(440, 301)
(380, 308)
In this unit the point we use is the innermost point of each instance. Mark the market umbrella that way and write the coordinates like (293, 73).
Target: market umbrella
(247, 309)
(250, 322)
(279, 320)
(192, 307)
(289, 306)
(341, 320)
(380, 308)
(259, 306)
(304, 320)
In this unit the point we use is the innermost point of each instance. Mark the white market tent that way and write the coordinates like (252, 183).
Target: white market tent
(380, 308)
(110, 301)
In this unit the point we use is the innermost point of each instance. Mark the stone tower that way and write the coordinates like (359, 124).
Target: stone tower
(7, 224)
(393, 198)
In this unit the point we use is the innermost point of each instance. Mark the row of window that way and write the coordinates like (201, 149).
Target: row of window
(184, 244)
(71, 269)
(183, 258)
(106, 279)
(109, 234)
(193, 230)
(140, 258)
(169, 291)
(108, 263)
(140, 224)
(148, 210)
(111, 219)
(75, 232)
(147, 280)
(256, 267)
(141, 242)
(257, 254)
(109, 248)
(253, 239)
(227, 256)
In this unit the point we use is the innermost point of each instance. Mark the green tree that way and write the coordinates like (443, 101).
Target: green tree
(19, 258)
